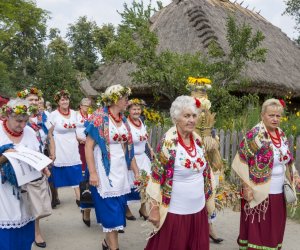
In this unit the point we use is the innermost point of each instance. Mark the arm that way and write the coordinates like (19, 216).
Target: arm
(151, 150)
(134, 168)
(51, 144)
(89, 155)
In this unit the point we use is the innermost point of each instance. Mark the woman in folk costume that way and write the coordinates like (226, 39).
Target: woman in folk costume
(204, 128)
(109, 154)
(66, 170)
(17, 230)
(263, 163)
(140, 141)
(37, 122)
(82, 121)
(181, 184)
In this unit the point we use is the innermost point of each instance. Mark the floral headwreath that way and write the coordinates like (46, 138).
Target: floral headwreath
(18, 110)
(113, 95)
(198, 83)
(61, 93)
(136, 101)
(32, 91)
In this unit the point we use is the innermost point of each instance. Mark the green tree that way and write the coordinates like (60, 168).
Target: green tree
(293, 9)
(104, 35)
(56, 71)
(22, 33)
(83, 45)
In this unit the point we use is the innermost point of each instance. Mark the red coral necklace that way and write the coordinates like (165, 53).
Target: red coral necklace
(276, 140)
(191, 150)
(65, 114)
(14, 134)
(133, 122)
(85, 117)
(114, 118)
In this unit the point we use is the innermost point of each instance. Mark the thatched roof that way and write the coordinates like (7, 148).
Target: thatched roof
(187, 26)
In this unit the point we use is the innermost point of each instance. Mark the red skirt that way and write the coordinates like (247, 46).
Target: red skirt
(268, 233)
(82, 156)
(182, 232)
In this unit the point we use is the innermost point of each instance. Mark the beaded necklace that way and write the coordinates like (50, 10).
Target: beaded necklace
(276, 140)
(191, 150)
(85, 117)
(133, 122)
(114, 118)
(14, 134)
(65, 114)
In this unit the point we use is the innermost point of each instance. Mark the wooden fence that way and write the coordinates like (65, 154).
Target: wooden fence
(229, 142)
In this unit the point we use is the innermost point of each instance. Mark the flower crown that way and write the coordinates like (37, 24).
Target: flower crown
(61, 93)
(198, 83)
(111, 98)
(18, 110)
(32, 91)
(136, 101)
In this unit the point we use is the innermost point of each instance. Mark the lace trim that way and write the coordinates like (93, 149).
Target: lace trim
(15, 224)
(259, 210)
(108, 230)
(111, 194)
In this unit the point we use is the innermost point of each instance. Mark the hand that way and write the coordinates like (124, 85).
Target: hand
(248, 193)
(52, 157)
(94, 180)
(154, 216)
(152, 154)
(46, 171)
(297, 182)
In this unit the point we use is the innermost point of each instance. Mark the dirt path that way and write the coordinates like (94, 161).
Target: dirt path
(64, 230)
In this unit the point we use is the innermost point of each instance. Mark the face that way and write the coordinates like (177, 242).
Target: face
(41, 104)
(135, 111)
(186, 122)
(17, 123)
(33, 100)
(84, 108)
(64, 102)
(271, 117)
(122, 103)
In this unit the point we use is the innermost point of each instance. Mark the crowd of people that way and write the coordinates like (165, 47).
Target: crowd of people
(111, 151)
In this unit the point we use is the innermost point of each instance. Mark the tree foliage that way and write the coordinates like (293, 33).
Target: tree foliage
(293, 9)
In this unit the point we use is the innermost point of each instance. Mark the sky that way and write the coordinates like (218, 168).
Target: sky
(65, 12)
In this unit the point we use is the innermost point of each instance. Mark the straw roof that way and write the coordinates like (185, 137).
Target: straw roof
(187, 26)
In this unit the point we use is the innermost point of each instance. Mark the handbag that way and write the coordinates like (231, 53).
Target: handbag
(39, 197)
(289, 194)
(85, 193)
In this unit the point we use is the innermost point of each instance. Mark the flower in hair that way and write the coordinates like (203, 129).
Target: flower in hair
(18, 110)
(282, 103)
(113, 95)
(197, 103)
(136, 101)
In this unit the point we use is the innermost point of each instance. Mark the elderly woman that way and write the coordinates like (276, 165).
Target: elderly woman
(263, 162)
(16, 221)
(140, 141)
(66, 171)
(180, 186)
(82, 117)
(109, 154)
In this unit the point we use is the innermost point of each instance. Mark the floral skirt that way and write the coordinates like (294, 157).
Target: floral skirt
(188, 231)
(266, 232)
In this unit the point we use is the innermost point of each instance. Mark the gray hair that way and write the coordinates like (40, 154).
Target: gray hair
(85, 101)
(180, 104)
(271, 102)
